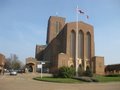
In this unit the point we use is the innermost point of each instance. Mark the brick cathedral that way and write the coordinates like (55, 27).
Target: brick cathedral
(61, 45)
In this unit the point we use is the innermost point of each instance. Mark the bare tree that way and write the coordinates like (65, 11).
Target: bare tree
(13, 62)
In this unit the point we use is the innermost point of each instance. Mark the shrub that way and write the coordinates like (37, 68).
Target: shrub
(113, 75)
(86, 79)
(66, 72)
(80, 71)
(94, 80)
(88, 72)
(55, 74)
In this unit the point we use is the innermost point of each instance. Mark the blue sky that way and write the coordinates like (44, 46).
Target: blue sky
(23, 24)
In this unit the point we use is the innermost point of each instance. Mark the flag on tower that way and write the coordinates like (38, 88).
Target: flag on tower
(87, 16)
(80, 11)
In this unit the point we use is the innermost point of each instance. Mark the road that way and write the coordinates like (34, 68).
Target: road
(25, 82)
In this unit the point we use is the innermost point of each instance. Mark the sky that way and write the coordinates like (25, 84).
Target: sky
(23, 24)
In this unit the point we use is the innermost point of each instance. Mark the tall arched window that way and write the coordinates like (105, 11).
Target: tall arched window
(72, 44)
(80, 44)
(88, 45)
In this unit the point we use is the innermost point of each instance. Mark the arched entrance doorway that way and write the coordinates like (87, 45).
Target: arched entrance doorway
(31, 67)
(31, 64)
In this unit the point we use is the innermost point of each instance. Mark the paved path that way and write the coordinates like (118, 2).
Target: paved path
(25, 82)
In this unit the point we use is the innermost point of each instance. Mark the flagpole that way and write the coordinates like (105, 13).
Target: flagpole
(76, 49)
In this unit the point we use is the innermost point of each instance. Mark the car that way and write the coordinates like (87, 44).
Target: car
(13, 73)
(21, 71)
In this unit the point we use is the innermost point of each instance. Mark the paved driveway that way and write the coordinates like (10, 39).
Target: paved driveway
(25, 82)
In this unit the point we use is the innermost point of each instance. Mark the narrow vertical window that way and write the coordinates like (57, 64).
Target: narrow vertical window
(72, 44)
(88, 45)
(57, 27)
(80, 44)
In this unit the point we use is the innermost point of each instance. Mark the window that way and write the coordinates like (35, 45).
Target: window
(88, 45)
(80, 45)
(58, 27)
(100, 65)
(72, 44)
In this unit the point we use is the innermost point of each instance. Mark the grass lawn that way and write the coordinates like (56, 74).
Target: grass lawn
(70, 80)
(58, 80)
(107, 79)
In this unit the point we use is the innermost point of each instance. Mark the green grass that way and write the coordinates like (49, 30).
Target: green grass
(70, 80)
(58, 80)
(107, 79)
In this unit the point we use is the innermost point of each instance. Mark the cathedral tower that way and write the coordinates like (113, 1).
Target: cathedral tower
(55, 25)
